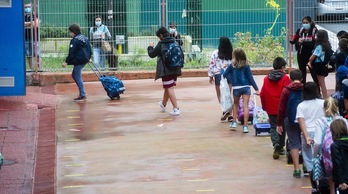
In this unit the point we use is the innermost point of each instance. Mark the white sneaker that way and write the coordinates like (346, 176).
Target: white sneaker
(175, 112)
(163, 108)
(233, 124)
(245, 129)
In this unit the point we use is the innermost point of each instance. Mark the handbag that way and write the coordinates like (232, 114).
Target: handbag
(225, 98)
(318, 172)
(106, 47)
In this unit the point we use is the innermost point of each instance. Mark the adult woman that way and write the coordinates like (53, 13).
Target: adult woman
(98, 33)
(219, 60)
(316, 61)
(79, 55)
(304, 41)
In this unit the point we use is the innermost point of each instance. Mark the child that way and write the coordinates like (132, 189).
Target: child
(273, 84)
(219, 60)
(169, 76)
(293, 132)
(79, 54)
(308, 111)
(323, 138)
(317, 60)
(241, 78)
(339, 154)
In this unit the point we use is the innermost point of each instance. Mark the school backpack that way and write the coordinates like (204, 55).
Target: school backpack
(295, 98)
(172, 55)
(326, 147)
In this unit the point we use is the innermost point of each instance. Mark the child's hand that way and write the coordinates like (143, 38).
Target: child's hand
(64, 65)
(257, 92)
(279, 130)
(309, 141)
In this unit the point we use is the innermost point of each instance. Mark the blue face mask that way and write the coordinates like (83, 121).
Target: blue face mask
(27, 10)
(98, 23)
(306, 26)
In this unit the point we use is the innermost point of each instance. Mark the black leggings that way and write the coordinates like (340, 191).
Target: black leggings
(303, 59)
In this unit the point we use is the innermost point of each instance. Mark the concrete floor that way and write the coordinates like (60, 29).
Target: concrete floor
(128, 146)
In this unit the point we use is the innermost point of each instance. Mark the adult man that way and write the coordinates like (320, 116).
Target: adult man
(31, 24)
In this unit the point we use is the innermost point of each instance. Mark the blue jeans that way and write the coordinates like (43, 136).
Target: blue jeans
(99, 58)
(77, 76)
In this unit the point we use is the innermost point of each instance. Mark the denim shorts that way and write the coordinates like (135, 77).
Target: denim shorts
(217, 79)
(242, 91)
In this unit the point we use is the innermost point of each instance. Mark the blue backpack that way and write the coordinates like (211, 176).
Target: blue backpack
(172, 55)
(295, 98)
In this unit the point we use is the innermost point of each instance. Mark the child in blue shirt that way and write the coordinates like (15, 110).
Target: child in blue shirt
(241, 78)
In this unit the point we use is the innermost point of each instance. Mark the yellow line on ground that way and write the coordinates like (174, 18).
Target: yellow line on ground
(185, 159)
(73, 186)
(306, 187)
(70, 148)
(73, 175)
(74, 165)
(75, 117)
(164, 119)
(70, 156)
(197, 180)
(191, 169)
(71, 140)
(72, 110)
(206, 190)
(75, 124)
(289, 165)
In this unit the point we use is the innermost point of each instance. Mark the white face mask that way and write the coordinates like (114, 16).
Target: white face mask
(98, 23)
(306, 26)
(172, 30)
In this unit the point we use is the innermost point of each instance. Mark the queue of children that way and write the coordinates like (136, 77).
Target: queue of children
(298, 109)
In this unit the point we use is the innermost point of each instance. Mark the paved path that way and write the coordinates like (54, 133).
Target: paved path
(128, 147)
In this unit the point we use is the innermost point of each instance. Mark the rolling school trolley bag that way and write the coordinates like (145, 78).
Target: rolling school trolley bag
(260, 120)
(112, 85)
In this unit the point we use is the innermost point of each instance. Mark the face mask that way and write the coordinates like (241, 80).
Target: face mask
(172, 30)
(306, 26)
(98, 23)
(27, 10)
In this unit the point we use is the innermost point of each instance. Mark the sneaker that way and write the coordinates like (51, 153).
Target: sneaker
(315, 191)
(276, 152)
(245, 129)
(297, 174)
(224, 115)
(230, 118)
(163, 108)
(282, 152)
(233, 124)
(175, 112)
(80, 99)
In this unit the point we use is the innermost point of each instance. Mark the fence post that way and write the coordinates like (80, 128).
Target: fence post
(289, 24)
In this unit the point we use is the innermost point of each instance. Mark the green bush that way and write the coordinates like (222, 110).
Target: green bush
(261, 50)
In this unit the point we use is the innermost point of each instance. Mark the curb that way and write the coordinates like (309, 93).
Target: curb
(52, 78)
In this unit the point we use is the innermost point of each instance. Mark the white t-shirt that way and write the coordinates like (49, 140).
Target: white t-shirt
(310, 110)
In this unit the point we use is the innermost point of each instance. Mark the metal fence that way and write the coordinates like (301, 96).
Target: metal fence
(259, 26)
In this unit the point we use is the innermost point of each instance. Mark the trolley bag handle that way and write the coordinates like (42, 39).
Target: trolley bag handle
(254, 95)
(94, 69)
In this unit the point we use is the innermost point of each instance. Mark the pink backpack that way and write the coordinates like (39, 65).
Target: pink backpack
(325, 146)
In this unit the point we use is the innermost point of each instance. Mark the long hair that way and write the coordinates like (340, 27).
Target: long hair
(323, 39)
(338, 128)
(330, 107)
(225, 48)
(240, 57)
